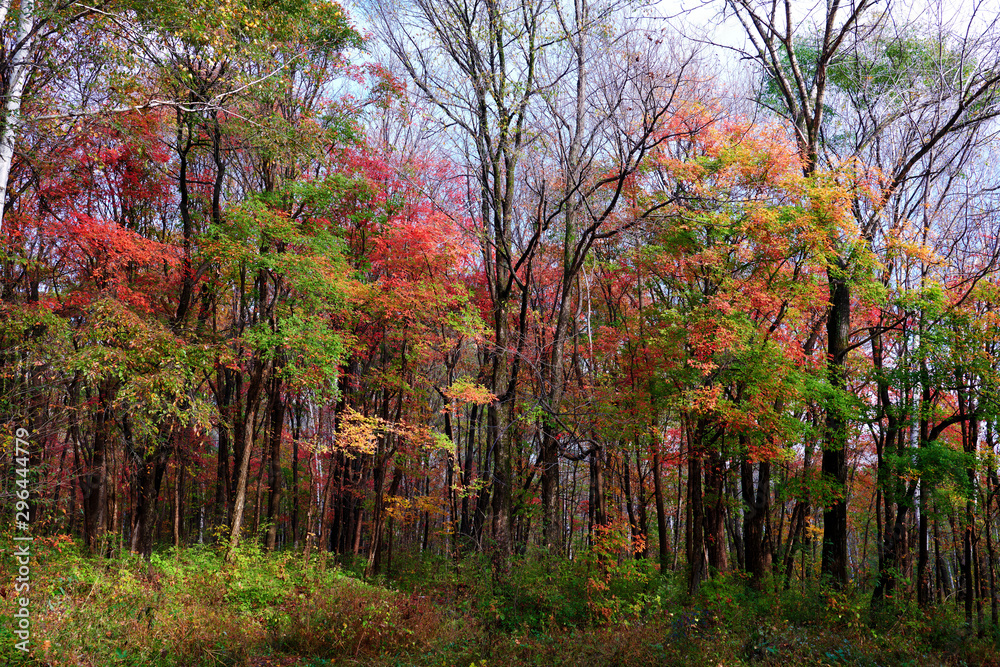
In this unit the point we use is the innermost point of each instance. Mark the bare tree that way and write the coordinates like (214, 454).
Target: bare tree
(590, 92)
(478, 64)
(602, 124)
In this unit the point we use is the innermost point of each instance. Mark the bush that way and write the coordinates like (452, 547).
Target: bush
(188, 608)
(354, 619)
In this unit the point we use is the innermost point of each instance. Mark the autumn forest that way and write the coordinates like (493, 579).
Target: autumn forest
(429, 332)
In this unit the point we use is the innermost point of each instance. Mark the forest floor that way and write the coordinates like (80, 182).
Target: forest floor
(187, 607)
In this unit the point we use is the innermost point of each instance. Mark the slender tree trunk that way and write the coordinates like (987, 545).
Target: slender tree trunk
(991, 493)
(756, 498)
(470, 439)
(244, 444)
(310, 534)
(696, 522)
(923, 584)
(296, 434)
(20, 67)
(549, 464)
(967, 563)
(626, 481)
(641, 499)
(978, 571)
(678, 506)
(274, 472)
(424, 545)
(661, 514)
(258, 494)
(834, 460)
(95, 480)
(178, 500)
(715, 512)
(796, 528)
(324, 531)
(697, 567)
(378, 529)
(923, 547)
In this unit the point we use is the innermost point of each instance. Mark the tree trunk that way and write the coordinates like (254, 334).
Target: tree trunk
(661, 515)
(715, 513)
(296, 434)
(696, 514)
(226, 382)
(20, 65)
(149, 478)
(95, 480)
(756, 498)
(244, 444)
(274, 472)
(834, 460)
(643, 512)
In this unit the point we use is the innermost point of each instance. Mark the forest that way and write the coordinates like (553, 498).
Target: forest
(537, 332)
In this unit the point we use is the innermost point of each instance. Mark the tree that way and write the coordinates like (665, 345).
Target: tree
(804, 80)
(735, 268)
(508, 85)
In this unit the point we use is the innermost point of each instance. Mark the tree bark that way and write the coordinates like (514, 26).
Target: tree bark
(757, 499)
(661, 515)
(19, 68)
(277, 419)
(715, 512)
(245, 445)
(834, 461)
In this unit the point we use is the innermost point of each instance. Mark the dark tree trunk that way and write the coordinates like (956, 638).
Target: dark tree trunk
(834, 462)
(148, 480)
(756, 498)
(378, 528)
(227, 382)
(274, 472)
(549, 464)
(95, 480)
(470, 439)
(661, 515)
(296, 434)
(643, 512)
(715, 512)
(697, 567)
(244, 444)
(626, 480)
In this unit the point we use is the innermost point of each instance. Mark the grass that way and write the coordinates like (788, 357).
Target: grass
(187, 608)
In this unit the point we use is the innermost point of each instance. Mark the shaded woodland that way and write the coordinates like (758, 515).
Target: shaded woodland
(507, 280)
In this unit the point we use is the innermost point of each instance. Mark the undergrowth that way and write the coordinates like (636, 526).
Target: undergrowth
(188, 608)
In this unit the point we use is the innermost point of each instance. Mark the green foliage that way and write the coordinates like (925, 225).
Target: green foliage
(888, 70)
(302, 262)
(544, 592)
(237, 26)
(187, 607)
